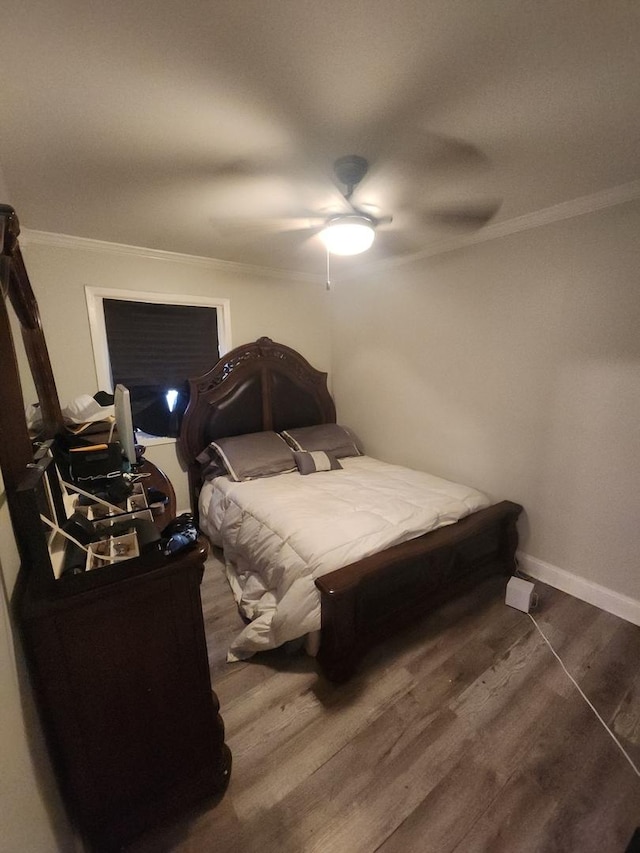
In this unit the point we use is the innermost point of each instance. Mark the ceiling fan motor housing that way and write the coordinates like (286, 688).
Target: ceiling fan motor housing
(350, 170)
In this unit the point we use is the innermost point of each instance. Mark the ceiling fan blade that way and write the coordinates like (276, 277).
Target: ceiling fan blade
(438, 152)
(464, 217)
(240, 167)
(253, 188)
(421, 166)
(392, 243)
(243, 229)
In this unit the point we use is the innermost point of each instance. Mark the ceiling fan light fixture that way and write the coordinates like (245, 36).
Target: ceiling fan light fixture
(348, 235)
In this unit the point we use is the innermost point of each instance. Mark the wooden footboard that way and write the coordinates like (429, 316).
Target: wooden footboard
(368, 601)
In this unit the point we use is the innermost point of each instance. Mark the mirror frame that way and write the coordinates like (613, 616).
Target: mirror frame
(17, 461)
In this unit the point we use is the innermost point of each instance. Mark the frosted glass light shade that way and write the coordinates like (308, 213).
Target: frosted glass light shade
(348, 235)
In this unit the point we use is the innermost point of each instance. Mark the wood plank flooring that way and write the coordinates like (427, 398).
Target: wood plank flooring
(463, 734)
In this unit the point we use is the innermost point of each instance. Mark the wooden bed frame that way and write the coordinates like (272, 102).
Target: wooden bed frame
(269, 386)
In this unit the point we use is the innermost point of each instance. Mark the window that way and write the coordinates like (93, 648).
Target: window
(153, 343)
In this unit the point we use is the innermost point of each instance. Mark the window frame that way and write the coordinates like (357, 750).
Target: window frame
(96, 295)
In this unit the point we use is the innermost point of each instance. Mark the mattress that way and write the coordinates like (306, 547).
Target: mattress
(280, 533)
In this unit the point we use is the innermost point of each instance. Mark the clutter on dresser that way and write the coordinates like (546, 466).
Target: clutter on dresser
(93, 532)
(95, 504)
(83, 414)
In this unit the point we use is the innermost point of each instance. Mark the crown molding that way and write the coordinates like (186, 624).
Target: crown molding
(67, 241)
(601, 200)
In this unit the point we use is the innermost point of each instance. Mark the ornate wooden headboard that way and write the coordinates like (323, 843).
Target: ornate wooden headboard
(255, 387)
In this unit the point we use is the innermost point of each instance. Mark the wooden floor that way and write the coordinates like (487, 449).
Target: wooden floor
(464, 734)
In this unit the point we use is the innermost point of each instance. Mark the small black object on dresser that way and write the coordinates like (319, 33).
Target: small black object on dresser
(179, 533)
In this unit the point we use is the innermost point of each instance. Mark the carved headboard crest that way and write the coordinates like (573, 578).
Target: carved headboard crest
(263, 348)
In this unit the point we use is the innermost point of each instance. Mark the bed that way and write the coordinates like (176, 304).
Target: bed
(362, 587)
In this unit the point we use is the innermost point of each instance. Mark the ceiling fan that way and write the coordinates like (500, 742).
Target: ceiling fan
(354, 232)
(350, 218)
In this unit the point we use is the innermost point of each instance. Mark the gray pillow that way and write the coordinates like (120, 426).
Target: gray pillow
(318, 460)
(332, 438)
(257, 454)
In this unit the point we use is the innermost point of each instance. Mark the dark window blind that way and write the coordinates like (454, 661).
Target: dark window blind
(154, 347)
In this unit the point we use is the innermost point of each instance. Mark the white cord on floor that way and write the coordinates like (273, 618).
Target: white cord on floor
(571, 678)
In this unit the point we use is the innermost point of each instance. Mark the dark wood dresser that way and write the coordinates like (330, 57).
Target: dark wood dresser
(122, 679)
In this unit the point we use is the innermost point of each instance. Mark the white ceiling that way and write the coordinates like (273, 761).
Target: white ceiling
(199, 127)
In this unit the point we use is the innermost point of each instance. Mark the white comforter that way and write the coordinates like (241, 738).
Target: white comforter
(279, 533)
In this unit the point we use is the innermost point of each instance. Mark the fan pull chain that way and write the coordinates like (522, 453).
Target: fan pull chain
(328, 282)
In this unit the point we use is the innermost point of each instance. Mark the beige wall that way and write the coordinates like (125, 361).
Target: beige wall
(514, 366)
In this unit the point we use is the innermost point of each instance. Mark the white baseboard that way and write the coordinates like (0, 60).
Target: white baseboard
(593, 593)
